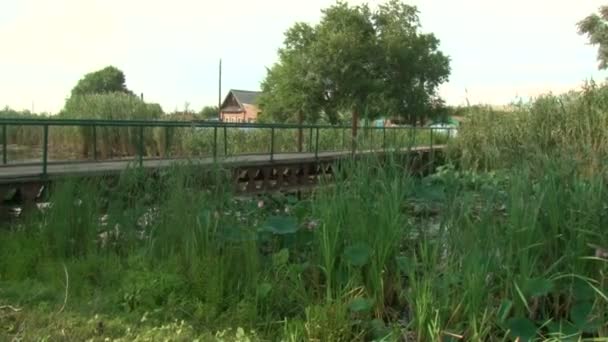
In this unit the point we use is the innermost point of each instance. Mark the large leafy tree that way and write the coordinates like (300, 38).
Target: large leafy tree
(410, 64)
(292, 90)
(595, 27)
(356, 62)
(107, 80)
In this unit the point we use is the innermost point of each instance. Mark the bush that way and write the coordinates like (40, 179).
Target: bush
(113, 106)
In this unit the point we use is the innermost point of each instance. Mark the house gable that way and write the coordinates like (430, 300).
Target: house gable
(240, 106)
(231, 104)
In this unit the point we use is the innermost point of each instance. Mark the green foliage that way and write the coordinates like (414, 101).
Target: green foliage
(356, 61)
(596, 28)
(492, 256)
(113, 141)
(210, 112)
(568, 127)
(107, 80)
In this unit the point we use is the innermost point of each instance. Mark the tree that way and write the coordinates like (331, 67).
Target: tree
(596, 28)
(210, 112)
(366, 63)
(291, 91)
(107, 80)
(411, 66)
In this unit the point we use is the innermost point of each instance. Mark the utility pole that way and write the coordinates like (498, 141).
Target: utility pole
(219, 95)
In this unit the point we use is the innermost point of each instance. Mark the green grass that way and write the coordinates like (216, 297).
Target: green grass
(486, 256)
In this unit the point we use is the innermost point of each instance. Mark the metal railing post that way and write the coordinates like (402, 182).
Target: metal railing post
(45, 149)
(166, 141)
(271, 143)
(4, 145)
(412, 143)
(310, 141)
(343, 139)
(384, 137)
(94, 143)
(317, 145)
(225, 141)
(141, 145)
(431, 138)
(214, 142)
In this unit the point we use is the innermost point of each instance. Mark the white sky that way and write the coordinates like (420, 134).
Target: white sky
(169, 50)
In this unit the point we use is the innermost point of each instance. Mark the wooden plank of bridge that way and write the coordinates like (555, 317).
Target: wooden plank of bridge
(28, 173)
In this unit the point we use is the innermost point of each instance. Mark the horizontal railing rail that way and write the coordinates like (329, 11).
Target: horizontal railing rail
(335, 137)
(184, 124)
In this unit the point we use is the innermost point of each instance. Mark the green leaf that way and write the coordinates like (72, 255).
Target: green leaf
(404, 264)
(264, 290)
(564, 331)
(580, 314)
(522, 327)
(582, 291)
(281, 225)
(357, 254)
(538, 287)
(360, 305)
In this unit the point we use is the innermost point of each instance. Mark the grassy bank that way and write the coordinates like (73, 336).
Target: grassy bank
(380, 255)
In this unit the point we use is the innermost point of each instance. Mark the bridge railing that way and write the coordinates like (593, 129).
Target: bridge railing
(44, 142)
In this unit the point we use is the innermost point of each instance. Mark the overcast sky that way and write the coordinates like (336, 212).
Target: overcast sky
(169, 50)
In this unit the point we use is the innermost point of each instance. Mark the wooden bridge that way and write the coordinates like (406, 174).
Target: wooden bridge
(25, 182)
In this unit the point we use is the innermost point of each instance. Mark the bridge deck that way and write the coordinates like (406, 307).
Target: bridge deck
(19, 173)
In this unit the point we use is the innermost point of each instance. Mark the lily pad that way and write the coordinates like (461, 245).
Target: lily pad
(582, 291)
(357, 254)
(404, 264)
(580, 314)
(360, 305)
(564, 331)
(522, 327)
(538, 287)
(281, 225)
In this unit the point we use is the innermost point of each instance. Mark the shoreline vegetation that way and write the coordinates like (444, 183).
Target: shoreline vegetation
(506, 240)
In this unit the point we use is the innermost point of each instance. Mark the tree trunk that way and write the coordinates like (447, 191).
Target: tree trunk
(355, 123)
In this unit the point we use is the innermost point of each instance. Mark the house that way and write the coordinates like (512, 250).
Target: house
(240, 106)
